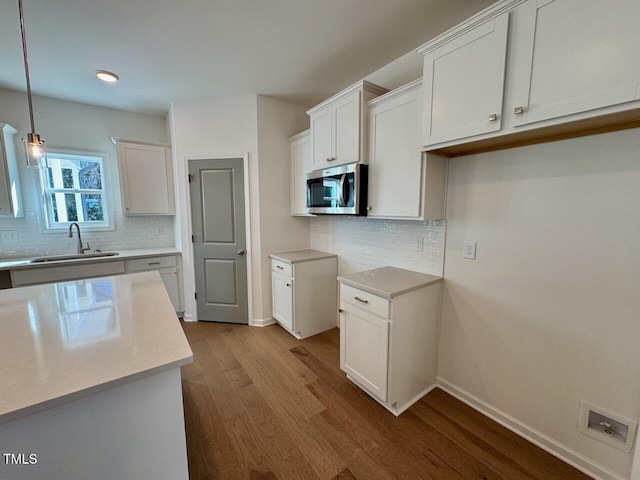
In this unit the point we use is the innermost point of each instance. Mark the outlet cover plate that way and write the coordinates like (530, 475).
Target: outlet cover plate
(469, 250)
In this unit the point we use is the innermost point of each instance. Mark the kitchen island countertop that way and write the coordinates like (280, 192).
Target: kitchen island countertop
(70, 340)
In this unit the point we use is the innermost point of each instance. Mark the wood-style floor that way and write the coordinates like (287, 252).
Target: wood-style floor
(260, 404)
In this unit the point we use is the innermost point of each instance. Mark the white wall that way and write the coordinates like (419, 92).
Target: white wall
(76, 126)
(237, 126)
(547, 314)
(277, 121)
(214, 127)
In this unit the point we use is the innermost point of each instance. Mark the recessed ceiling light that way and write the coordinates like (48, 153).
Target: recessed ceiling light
(107, 76)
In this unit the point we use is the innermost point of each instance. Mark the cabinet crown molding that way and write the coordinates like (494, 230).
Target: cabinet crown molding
(117, 140)
(416, 84)
(362, 85)
(483, 16)
(300, 136)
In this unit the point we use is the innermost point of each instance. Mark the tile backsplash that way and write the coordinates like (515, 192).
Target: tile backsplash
(377, 243)
(129, 233)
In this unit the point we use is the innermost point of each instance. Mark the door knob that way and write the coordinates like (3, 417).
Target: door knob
(241, 252)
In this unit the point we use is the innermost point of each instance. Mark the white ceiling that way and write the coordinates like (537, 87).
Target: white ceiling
(300, 51)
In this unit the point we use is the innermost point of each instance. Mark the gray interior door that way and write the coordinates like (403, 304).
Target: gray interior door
(219, 239)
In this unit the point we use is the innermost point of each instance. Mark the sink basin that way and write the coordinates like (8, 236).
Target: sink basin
(61, 258)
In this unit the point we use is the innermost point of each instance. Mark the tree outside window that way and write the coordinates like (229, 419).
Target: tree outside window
(74, 191)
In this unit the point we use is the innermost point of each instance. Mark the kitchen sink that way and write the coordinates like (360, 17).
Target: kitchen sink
(61, 258)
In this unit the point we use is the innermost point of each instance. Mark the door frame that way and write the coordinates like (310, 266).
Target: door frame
(247, 221)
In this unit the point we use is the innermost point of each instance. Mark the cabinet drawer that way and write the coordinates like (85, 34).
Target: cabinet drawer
(281, 267)
(150, 263)
(365, 301)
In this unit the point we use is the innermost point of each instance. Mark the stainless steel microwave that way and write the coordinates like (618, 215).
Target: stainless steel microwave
(338, 191)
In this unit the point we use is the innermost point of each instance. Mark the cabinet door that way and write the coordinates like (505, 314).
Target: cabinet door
(146, 179)
(395, 157)
(282, 300)
(346, 129)
(364, 350)
(321, 138)
(301, 164)
(170, 280)
(581, 55)
(464, 82)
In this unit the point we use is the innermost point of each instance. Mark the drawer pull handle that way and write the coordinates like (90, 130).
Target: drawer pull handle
(154, 263)
(518, 110)
(361, 300)
(493, 117)
(278, 266)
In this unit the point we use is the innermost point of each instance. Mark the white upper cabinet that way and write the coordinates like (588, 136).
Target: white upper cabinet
(571, 66)
(339, 126)
(10, 193)
(463, 83)
(301, 164)
(403, 183)
(146, 178)
(578, 55)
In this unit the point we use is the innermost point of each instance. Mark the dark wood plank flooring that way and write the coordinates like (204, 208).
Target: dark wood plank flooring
(260, 404)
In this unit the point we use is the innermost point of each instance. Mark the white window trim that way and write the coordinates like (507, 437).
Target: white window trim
(107, 225)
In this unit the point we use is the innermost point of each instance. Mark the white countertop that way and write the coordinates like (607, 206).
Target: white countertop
(388, 282)
(70, 340)
(297, 256)
(11, 264)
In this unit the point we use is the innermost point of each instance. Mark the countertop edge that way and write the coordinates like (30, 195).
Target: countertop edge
(388, 295)
(93, 390)
(277, 256)
(20, 264)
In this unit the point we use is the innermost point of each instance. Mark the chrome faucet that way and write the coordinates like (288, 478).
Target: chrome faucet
(81, 249)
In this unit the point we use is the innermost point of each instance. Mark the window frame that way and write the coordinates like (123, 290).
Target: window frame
(48, 224)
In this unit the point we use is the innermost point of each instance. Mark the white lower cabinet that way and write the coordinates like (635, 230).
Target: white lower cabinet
(388, 346)
(304, 294)
(167, 267)
(366, 356)
(62, 273)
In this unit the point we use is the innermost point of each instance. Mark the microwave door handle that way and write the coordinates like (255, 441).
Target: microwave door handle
(343, 179)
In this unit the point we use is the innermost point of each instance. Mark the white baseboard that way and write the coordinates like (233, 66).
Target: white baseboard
(567, 455)
(187, 317)
(262, 322)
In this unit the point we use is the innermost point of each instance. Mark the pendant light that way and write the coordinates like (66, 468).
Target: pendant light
(33, 143)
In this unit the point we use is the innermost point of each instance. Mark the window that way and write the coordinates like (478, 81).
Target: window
(74, 191)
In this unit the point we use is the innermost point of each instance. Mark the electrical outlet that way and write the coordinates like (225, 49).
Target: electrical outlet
(419, 244)
(9, 236)
(469, 250)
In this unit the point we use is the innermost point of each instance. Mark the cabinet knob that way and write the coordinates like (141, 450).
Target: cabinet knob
(369, 207)
(518, 110)
(340, 310)
(288, 284)
(493, 117)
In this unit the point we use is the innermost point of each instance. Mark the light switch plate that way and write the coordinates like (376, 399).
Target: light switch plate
(419, 244)
(469, 250)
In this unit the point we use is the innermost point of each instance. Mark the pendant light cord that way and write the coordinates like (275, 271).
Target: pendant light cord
(26, 66)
